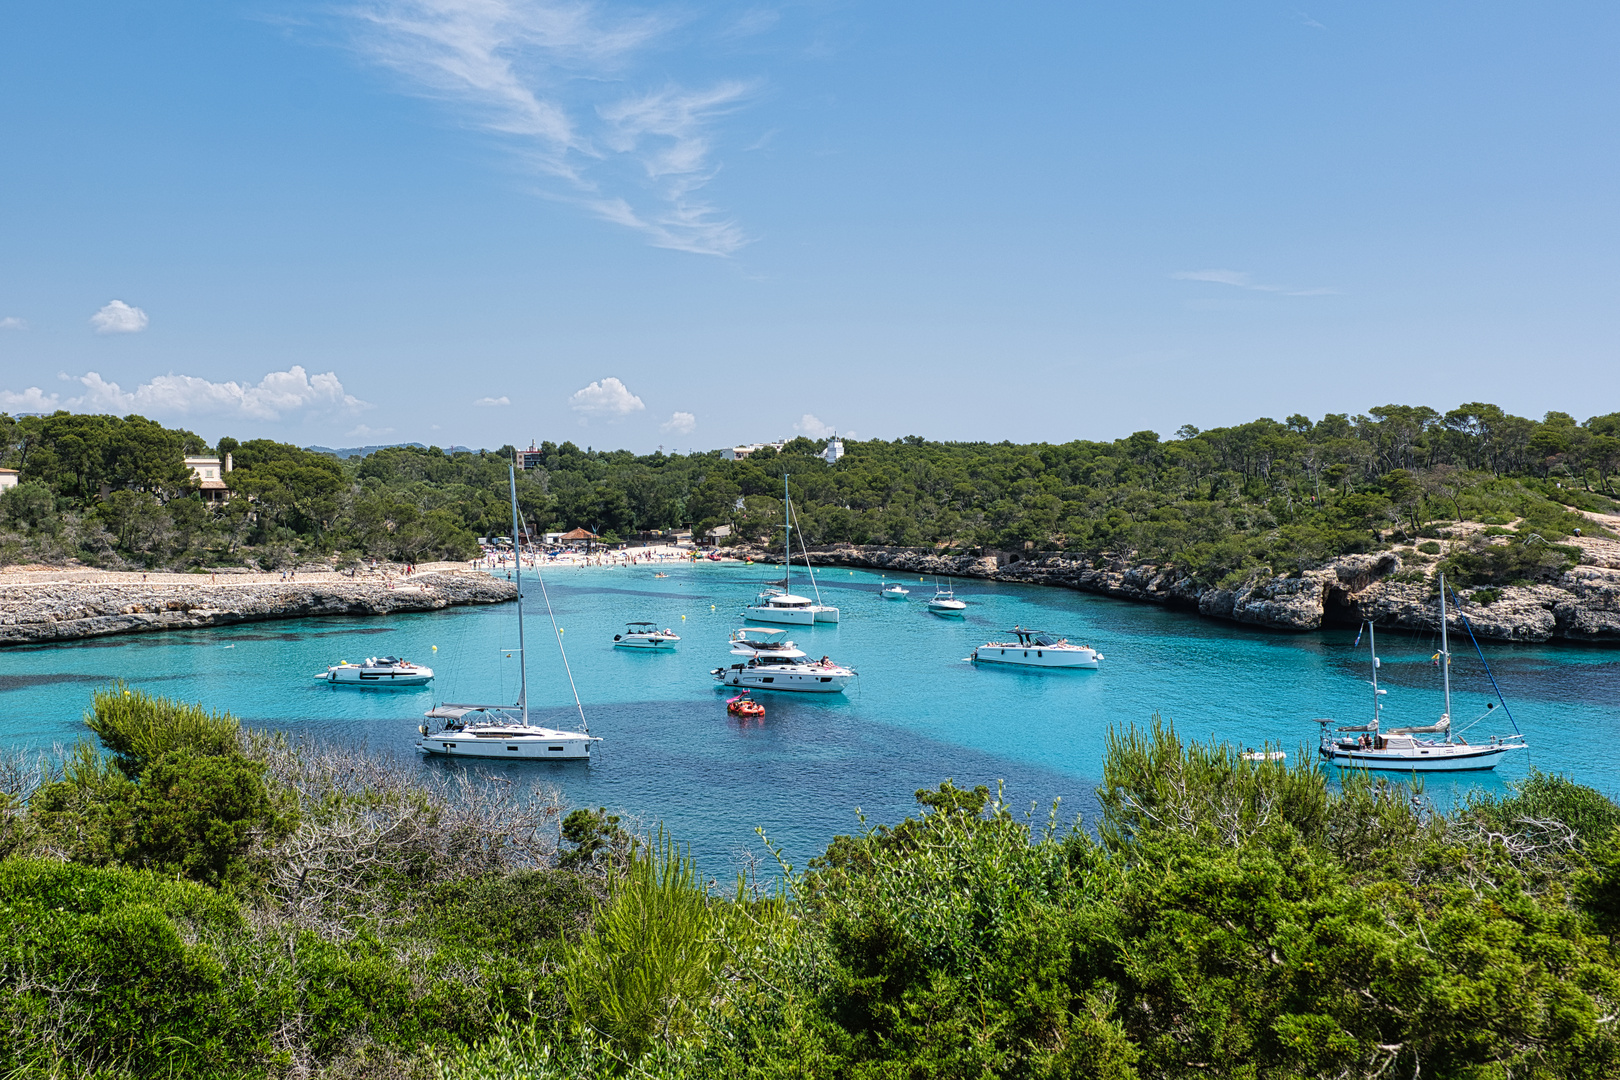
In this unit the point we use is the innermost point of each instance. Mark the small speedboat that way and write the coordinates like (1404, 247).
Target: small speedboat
(645, 635)
(1038, 650)
(896, 591)
(745, 706)
(377, 671)
(944, 601)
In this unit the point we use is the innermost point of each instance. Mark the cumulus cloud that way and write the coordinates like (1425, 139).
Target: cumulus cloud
(118, 317)
(812, 428)
(490, 402)
(11, 322)
(1242, 280)
(681, 423)
(550, 78)
(272, 397)
(609, 398)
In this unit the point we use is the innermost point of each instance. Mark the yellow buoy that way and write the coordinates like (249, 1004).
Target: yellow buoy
(435, 648)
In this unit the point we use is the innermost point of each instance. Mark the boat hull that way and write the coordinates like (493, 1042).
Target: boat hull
(827, 614)
(788, 680)
(890, 595)
(648, 646)
(783, 616)
(357, 676)
(1424, 759)
(525, 747)
(1050, 659)
(953, 607)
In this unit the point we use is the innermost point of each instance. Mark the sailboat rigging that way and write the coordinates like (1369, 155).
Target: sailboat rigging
(504, 731)
(1415, 749)
(779, 604)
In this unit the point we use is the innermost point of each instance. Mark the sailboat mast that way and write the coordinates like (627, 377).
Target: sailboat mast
(1372, 649)
(787, 539)
(517, 568)
(1445, 652)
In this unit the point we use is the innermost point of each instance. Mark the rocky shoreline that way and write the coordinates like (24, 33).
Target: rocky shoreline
(67, 611)
(1582, 605)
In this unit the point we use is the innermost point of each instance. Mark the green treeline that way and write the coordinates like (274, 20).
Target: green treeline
(197, 900)
(1222, 503)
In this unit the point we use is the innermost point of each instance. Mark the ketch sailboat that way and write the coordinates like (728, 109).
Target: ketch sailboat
(504, 731)
(1416, 749)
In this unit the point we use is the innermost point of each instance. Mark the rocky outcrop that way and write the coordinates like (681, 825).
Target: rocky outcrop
(1582, 605)
(32, 614)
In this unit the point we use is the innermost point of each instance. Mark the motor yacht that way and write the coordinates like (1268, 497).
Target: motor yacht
(645, 635)
(504, 731)
(774, 663)
(1416, 749)
(1038, 650)
(377, 671)
(944, 601)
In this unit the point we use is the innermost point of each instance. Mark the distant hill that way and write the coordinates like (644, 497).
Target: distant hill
(363, 451)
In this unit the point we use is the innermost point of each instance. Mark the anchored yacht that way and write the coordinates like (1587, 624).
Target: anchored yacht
(780, 605)
(944, 601)
(377, 671)
(504, 731)
(1036, 649)
(1415, 749)
(774, 663)
(645, 635)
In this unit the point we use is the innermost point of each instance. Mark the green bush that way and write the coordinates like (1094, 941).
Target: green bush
(1429, 547)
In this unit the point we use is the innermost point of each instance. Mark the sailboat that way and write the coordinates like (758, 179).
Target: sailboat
(504, 731)
(1418, 749)
(780, 605)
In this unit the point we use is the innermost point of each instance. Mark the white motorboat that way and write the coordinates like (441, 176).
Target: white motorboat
(1037, 650)
(1416, 749)
(377, 671)
(896, 591)
(645, 635)
(780, 605)
(774, 663)
(944, 601)
(504, 731)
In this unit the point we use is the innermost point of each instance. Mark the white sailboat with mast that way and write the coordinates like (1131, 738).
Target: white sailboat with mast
(1416, 749)
(504, 731)
(780, 605)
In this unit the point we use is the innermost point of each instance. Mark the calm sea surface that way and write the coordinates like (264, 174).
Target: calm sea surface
(918, 712)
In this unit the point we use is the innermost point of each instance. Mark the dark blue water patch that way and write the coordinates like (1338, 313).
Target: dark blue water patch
(26, 682)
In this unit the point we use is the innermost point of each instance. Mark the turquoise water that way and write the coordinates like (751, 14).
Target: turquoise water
(917, 713)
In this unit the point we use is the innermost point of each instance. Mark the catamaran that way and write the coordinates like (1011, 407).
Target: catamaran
(504, 731)
(780, 605)
(1416, 749)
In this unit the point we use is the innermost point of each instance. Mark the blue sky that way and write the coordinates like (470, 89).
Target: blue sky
(485, 221)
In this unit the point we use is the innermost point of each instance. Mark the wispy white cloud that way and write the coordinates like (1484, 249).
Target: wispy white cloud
(1243, 280)
(276, 395)
(549, 75)
(811, 427)
(1306, 20)
(118, 317)
(363, 431)
(11, 322)
(491, 402)
(681, 423)
(608, 398)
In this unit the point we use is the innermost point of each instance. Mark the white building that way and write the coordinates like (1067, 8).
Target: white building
(834, 451)
(740, 453)
(8, 479)
(209, 472)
